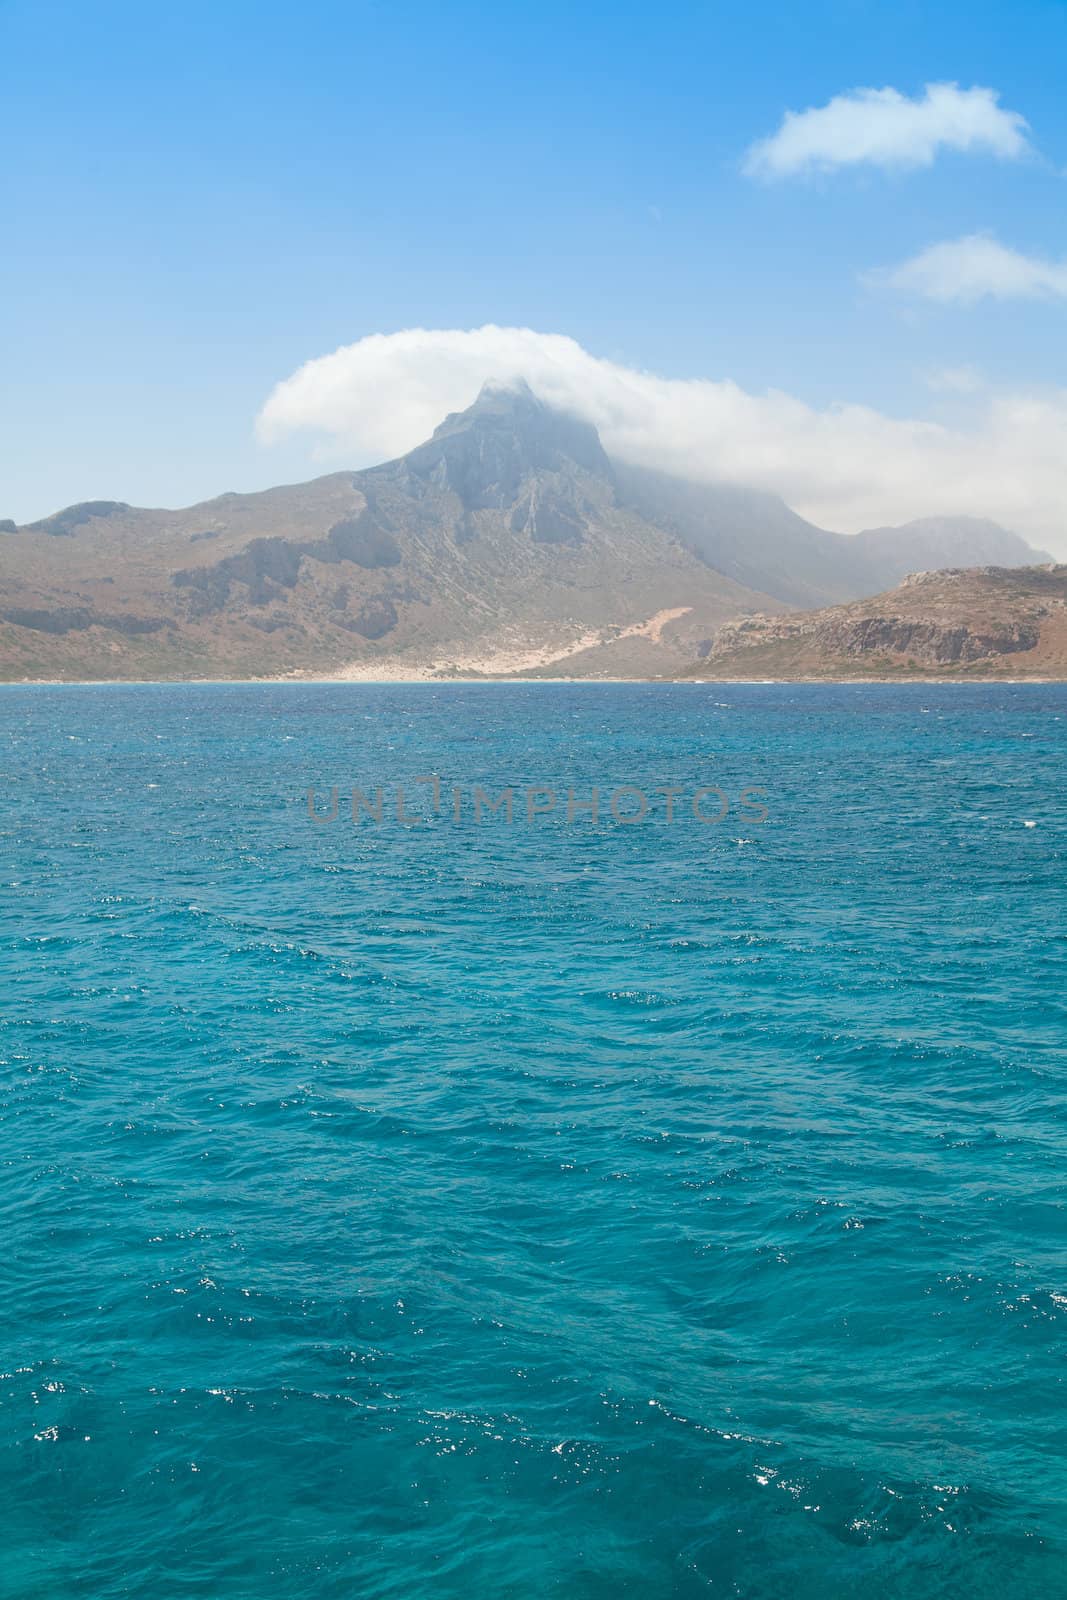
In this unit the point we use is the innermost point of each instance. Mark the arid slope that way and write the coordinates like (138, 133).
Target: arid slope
(980, 622)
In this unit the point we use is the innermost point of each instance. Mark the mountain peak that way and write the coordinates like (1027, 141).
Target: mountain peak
(512, 394)
(948, 541)
(512, 406)
(497, 403)
(488, 452)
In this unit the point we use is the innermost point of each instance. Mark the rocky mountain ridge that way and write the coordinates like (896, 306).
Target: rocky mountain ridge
(507, 542)
(978, 622)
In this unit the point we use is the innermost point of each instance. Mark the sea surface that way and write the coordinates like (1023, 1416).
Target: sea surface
(471, 1208)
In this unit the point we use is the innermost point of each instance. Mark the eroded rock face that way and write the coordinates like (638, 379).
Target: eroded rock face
(59, 619)
(263, 566)
(755, 630)
(75, 619)
(548, 519)
(928, 643)
(374, 619)
(267, 565)
(838, 634)
(360, 539)
(934, 620)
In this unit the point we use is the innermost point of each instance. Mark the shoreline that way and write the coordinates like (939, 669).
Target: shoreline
(424, 682)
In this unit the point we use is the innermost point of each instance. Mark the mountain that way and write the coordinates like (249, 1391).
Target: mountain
(507, 543)
(977, 622)
(752, 537)
(930, 542)
(758, 541)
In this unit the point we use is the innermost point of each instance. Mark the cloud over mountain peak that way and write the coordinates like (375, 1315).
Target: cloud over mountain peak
(846, 466)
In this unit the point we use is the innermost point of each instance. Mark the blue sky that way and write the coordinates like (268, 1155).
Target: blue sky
(199, 199)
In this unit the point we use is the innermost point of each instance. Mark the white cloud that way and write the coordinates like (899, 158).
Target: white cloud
(845, 467)
(883, 128)
(975, 268)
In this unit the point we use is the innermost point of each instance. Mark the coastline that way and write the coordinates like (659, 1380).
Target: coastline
(427, 681)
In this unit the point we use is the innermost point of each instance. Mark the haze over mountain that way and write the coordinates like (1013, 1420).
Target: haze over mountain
(507, 542)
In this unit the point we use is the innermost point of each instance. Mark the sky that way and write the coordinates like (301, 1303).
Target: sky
(818, 248)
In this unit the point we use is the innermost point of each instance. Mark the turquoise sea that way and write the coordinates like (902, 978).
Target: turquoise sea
(473, 1208)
